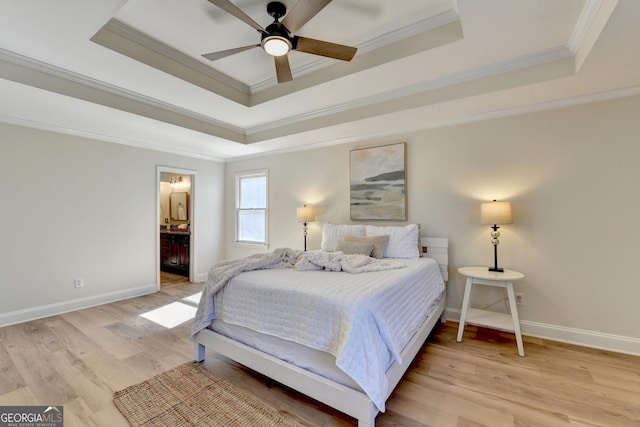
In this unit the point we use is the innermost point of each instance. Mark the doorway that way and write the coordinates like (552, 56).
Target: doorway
(175, 226)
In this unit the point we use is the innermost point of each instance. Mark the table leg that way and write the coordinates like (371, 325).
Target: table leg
(465, 307)
(514, 316)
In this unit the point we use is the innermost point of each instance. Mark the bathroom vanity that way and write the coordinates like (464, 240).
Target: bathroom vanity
(174, 251)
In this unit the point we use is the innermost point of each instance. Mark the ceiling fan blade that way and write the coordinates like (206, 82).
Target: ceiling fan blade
(302, 12)
(224, 53)
(322, 48)
(231, 8)
(283, 70)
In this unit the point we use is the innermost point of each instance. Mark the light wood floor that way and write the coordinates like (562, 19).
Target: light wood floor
(79, 359)
(170, 279)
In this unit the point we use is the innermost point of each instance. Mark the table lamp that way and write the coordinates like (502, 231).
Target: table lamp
(305, 215)
(494, 213)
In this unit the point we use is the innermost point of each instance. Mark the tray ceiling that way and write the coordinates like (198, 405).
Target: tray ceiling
(131, 71)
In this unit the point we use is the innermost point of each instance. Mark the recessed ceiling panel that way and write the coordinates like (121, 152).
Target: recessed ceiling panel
(173, 36)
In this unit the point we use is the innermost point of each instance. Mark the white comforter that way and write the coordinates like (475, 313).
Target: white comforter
(364, 320)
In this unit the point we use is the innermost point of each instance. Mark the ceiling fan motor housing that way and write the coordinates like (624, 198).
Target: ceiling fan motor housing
(276, 29)
(276, 9)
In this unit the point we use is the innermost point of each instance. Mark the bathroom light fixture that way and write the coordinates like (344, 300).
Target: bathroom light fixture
(495, 213)
(305, 215)
(176, 182)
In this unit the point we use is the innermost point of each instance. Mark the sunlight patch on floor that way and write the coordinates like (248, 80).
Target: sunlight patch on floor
(171, 315)
(195, 298)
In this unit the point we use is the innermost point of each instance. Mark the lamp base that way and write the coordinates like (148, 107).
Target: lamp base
(494, 241)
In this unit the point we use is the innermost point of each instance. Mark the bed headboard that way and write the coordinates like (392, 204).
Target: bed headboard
(438, 249)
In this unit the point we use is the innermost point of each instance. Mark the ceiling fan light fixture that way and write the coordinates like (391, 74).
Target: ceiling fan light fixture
(278, 38)
(276, 45)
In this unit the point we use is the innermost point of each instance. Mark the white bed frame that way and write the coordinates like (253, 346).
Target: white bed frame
(352, 402)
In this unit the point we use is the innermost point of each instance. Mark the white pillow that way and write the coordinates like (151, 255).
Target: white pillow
(331, 233)
(403, 241)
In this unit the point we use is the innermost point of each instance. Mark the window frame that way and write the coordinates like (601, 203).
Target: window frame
(239, 176)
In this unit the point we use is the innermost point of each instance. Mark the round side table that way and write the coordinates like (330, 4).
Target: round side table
(491, 319)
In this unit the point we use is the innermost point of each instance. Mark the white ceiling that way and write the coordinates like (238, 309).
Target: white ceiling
(130, 72)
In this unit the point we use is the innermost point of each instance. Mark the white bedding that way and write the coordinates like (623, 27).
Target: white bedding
(364, 319)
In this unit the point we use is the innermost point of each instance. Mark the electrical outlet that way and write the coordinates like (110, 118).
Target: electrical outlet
(519, 299)
(78, 282)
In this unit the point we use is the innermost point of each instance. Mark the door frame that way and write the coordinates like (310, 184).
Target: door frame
(192, 219)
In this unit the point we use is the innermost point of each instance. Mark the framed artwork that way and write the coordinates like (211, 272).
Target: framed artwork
(378, 182)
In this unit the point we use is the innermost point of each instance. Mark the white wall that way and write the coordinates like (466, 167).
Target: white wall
(572, 176)
(75, 207)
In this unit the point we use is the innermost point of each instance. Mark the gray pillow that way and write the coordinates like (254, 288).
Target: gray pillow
(351, 248)
(379, 242)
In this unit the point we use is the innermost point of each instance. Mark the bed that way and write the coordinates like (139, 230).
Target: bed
(306, 347)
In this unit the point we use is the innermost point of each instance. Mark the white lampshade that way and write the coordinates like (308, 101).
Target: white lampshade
(305, 214)
(496, 213)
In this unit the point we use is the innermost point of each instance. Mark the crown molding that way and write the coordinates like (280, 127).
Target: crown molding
(587, 16)
(591, 23)
(244, 135)
(524, 62)
(40, 125)
(200, 122)
(603, 96)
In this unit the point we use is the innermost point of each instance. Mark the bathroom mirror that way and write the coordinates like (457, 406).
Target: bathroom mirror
(178, 204)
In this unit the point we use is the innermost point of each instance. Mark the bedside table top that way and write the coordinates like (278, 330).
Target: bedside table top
(484, 273)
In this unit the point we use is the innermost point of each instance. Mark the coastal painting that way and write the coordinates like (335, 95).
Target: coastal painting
(378, 182)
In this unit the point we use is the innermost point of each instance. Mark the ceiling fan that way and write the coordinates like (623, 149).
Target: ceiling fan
(278, 39)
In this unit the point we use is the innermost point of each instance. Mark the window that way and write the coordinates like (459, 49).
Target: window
(251, 207)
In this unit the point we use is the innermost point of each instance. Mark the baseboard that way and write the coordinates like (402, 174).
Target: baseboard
(599, 340)
(201, 277)
(20, 316)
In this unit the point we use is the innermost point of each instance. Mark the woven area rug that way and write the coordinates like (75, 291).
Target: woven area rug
(190, 395)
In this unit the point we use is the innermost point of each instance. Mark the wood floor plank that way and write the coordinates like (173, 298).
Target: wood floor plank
(95, 392)
(72, 338)
(11, 378)
(79, 359)
(19, 396)
(454, 399)
(42, 377)
(426, 412)
(541, 399)
(111, 417)
(77, 413)
(116, 373)
(103, 337)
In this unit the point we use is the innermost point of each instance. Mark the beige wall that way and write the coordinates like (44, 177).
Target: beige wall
(74, 207)
(572, 176)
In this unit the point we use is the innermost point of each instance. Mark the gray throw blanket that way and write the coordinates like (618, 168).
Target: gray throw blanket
(338, 261)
